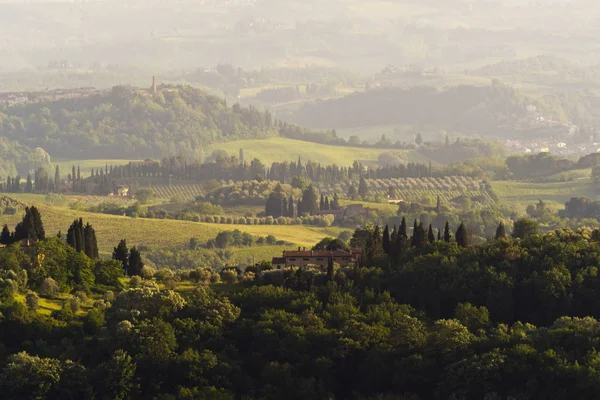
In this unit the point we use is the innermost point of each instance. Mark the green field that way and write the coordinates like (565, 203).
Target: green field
(557, 192)
(165, 234)
(85, 166)
(281, 149)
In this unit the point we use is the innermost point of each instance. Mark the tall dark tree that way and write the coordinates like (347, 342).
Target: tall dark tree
(31, 227)
(415, 236)
(274, 204)
(386, 241)
(439, 235)
(447, 234)
(135, 262)
(374, 249)
(56, 179)
(6, 236)
(291, 210)
(29, 184)
(500, 231)
(121, 254)
(309, 203)
(462, 236)
(330, 269)
(402, 231)
(421, 235)
(430, 235)
(335, 203)
(73, 173)
(90, 241)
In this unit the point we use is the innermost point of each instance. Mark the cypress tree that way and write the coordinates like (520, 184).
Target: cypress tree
(430, 235)
(387, 248)
(91, 244)
(500, 231)
(71, 234)
(402, 231)
(462, 236)
(330, 270)
(5, 236)
(121, 253)
(439, 237)
(421, 235)
(415, 237)
(56, 179)
(291, 206)
(78, 173)
(322, 203)
(73, 174)
(135, 262)
(447, 235)
(29, 184)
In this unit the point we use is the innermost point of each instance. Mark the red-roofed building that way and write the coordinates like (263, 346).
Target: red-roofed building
(303, 258)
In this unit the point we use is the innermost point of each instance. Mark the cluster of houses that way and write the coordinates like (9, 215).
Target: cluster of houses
(303, 258)
(19, 98)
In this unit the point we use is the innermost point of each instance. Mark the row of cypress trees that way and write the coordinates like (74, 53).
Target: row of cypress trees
(83, 238)
(30, 227)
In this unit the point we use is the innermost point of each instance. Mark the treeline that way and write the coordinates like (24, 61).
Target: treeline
(445, 319)
(461, 108)
(543, 165)
(118, 123)
(225, 167)
(237, 238)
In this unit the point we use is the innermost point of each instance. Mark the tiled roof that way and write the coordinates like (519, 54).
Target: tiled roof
(335, 253)
(278, 260)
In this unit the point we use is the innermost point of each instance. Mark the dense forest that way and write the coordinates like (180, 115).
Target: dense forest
(126, 122)
(462, 108)
(421, 316)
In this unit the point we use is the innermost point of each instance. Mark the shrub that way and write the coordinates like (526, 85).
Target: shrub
(229, 276)
(215, 278)
(249, 276)
(201, 275)
(75, 304)
(32, 300)
(65, 313)
(82, 296)
(49, 288)
(170, 284)
(164, 274)
(147, 272)
(109, 296)
(135, 281)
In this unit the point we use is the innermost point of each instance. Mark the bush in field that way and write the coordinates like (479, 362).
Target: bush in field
(164, 274)
(135, 281)
(229, 276)
(75, 304)
(49, 288)
(32, 300)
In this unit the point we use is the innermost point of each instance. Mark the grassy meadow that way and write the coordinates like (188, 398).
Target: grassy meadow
(553, 192)
(282, 149)
(168, 234)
